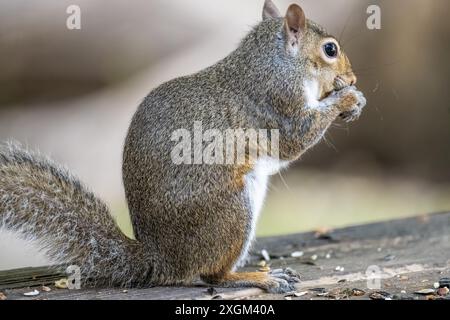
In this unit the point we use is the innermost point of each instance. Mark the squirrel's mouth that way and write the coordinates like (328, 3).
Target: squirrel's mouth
(339, 83)
(344, 80)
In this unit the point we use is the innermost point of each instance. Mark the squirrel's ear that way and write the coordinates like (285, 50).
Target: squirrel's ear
(270, 10)
(294, 26)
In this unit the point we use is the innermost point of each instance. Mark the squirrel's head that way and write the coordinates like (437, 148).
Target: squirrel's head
(320, 53)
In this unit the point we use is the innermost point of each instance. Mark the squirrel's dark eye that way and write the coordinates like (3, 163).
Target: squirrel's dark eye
(330, 49)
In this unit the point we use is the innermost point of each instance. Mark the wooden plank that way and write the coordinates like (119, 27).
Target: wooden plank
(27, 277)
(411, 254)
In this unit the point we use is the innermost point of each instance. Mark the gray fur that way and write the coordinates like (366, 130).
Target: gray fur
(42, 201)
(189, 220)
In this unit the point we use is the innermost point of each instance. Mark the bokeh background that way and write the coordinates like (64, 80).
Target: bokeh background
(72, 93)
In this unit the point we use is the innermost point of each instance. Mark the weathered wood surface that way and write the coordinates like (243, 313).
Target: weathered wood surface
(411, 254)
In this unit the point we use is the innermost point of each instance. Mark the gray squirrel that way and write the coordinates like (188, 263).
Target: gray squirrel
(191, 220)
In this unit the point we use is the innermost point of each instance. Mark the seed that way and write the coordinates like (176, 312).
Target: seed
(389, 257)
(425, 291)
(444, 282)
(262, 263)
(62, 283)
(443, 291)
(211, 291)
(318, 290)
(264, 269)
(265, 255)
(380, 295)
(358, 292)
(31, 293)
(297, 254)
(46, 289)
(2, 296)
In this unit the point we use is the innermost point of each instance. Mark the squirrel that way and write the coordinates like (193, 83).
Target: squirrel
(191, 221)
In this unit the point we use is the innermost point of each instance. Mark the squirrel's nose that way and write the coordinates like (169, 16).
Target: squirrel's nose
(353, 79)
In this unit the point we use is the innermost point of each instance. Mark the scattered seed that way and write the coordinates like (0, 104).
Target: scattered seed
(339, 268)
(379, 250)
(318, 290)
(357, 292)
(265, 255)
(124, 291)
(328, 256)
(443, 291)
(297, 254)
(403, 292)
(347, 292)
(436, 285)
(2, 296)
(380, 295)
(300, 294)
(425, 291)
(288, 298)
(289, 294)
(31, 293)
(264, 269)
(389, 257)
(62, 283)
(307, 261)
(262, 263)
(403, 296)
(444, 282)
(314, 257)
(211, 291)
(46, 289)
(322, 294)
(404, 278)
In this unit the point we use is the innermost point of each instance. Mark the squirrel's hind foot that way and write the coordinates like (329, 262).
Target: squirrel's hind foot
(276, 281)
(286, 280)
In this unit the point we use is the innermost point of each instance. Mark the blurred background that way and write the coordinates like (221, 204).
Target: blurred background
(72, 93)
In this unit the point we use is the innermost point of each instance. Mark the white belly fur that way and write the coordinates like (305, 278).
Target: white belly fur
(255, 188)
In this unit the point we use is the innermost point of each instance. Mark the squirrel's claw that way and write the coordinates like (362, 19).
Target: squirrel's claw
(283, 280)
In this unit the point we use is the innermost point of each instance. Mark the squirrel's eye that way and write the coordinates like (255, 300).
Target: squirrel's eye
(330, 49)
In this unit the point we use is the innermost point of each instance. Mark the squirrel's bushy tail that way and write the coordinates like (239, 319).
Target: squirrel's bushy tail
(44, 202)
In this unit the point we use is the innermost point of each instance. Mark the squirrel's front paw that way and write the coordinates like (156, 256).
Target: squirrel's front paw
(283, 280)
(351, 103)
